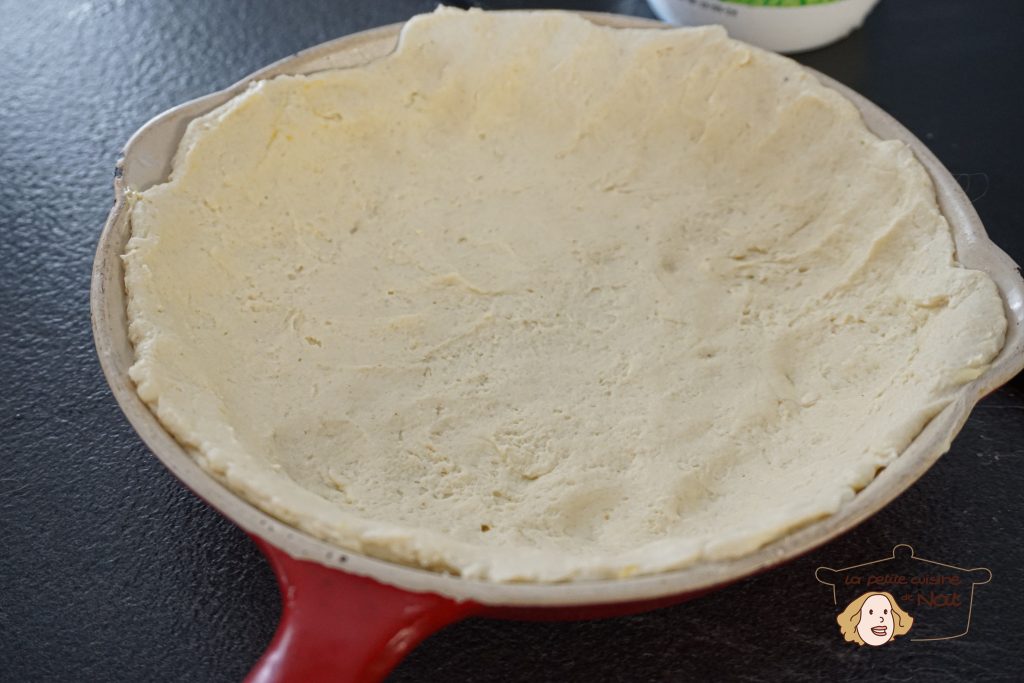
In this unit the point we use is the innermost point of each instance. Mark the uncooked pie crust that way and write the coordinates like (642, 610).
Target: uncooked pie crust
(536, 300)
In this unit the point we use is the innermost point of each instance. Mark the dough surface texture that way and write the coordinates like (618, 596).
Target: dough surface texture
(531, 299)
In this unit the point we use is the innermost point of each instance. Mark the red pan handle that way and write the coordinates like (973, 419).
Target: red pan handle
(341, 627)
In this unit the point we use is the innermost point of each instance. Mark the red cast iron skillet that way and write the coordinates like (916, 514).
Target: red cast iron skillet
(348, 616)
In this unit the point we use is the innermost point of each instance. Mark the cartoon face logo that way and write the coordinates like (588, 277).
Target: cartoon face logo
(873, 619)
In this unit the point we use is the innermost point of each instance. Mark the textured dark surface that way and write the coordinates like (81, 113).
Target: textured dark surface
(111, 571)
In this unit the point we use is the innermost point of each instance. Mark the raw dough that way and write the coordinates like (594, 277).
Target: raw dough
(532, 299)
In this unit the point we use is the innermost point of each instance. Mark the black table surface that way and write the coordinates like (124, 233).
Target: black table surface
(110, 570)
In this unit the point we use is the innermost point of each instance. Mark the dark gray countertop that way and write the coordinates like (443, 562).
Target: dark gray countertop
(110, 570)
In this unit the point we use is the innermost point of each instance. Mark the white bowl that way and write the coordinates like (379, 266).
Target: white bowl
(781, 28)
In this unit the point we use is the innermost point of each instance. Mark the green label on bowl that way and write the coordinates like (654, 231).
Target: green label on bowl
(780, 3)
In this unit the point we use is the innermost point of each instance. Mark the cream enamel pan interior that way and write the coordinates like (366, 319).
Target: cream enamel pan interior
(146, 161)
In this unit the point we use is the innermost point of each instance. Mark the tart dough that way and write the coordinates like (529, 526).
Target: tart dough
(531, 299)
